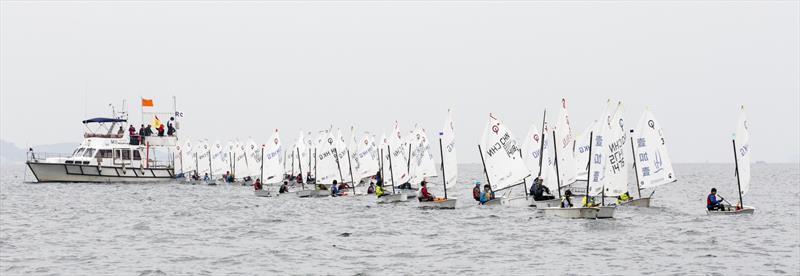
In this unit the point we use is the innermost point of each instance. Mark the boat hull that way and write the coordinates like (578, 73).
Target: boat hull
(449, 203)
(393, 198)
(639, 202)
(518, 201)
(605, 212)
(732, 211)
(572, 213)
(59, 172)
(494, 202)
(547, 203)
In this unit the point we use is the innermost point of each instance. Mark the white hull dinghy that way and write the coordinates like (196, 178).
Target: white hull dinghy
(449, 203)
(547, 203)
(605, 212)
(211, 182)
(572, 213)
(393, 198)
(518, 201)
(305, 193)
(730, 210)
(639, 202)
(262, 193)
(494, 202)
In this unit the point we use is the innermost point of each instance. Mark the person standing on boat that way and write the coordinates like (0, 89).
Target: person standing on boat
(284, 187)
(141, 134)
(257, 185)
(538, 190)
(712, 203)
(161, 130)
(566, 201)
(171, 126)
(476, 192)
(424, 195)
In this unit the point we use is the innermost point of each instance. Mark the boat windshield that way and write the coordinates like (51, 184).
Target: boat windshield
(78, 152)
(89, 153)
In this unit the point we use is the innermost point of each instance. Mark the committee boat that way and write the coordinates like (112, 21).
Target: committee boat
(107, 155)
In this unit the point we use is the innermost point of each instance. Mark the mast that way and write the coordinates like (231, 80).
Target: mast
(408, 167)
(262, 164)
(635, 167)
(541, 144)
(315, 167)
(300, 166)
(488, 181)
(444, 177)
(293, 164)
(350, 164)
(391, 171)
(336, 152)
(589, 168)
(558, 175)
(181, 158)
(211, 171)
(383, 179)
(738, 182)
(196, 164)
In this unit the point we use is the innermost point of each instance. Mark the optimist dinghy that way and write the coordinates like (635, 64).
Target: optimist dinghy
(447, 152)
(741, 157)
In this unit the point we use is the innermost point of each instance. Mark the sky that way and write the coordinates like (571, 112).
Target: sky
(242, 69)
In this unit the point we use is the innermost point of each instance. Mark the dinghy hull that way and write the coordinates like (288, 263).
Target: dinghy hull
(519, 201)
(605, 212)
(449, 203)
(572, 213)
(732, 211)
(393, 198)
(547, 203)
(639, 202)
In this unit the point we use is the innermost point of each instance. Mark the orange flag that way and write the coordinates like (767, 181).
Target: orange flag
(147, 102)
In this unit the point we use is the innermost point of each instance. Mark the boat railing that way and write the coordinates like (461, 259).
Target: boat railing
(42, 156)
(101, 135)
(159, 164)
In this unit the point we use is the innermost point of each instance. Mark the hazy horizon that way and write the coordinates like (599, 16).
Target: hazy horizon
(243, 69)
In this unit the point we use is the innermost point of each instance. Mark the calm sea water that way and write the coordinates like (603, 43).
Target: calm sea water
(174, 229)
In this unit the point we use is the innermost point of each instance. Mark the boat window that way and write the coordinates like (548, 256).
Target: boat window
(126, 154)
(104, 154)
(88, 153)
(136, 155)
(78, 152)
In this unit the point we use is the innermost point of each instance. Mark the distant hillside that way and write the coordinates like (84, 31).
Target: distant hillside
(10, 153)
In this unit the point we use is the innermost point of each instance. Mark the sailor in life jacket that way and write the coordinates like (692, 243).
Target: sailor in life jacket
(625, 197)
(476, 192)
(590, 203)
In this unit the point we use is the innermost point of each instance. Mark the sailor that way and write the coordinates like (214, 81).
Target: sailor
(538, 190)
(142, 134)
(371, 188)
(205, 177)
(476, 192)
(229, 177)
(379, 190)
(120, 131)
(335, 189)
(591, 202)
(566, 201)
(170, 126)
(712, 203)
(195, 176)
(148, 131)
(487, 194)
(284, 187)
(299, 178)
(343, 186)
(424, 195)
(378, 179)
(625, 197)
(257, 186)
(161, 130)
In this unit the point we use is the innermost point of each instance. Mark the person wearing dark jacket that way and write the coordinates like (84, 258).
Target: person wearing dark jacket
(476, 192)
(712, 203)
(538, 190)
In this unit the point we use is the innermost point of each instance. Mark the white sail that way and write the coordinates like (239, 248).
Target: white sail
(616, 145)
(422, 164)
(186, 157)
(203, 158)
(599, 152)
(241, 168)
(742, 140)
(565, 145)
(448, 144)
(582, 152)
(326, 170)
(341, 151)
(531, 148)
(273, 154)
(219, 159)
(365, 157)
(397, 150)
(653, 165)
(501, 155)
(254, 155)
